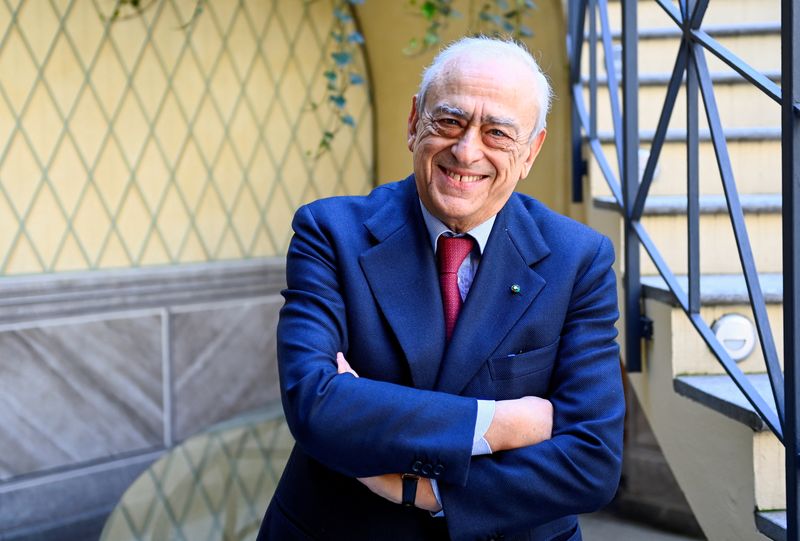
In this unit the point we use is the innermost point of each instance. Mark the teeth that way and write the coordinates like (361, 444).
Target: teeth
(463, 178)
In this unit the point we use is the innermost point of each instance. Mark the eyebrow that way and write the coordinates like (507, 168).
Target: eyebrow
(487, 119)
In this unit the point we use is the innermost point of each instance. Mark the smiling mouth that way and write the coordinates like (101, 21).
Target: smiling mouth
(461, 178)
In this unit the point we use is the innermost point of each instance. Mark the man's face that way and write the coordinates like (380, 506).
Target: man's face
(471, 143)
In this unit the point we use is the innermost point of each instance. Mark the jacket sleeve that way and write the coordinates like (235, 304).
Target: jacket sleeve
(358, 427)
(578, 469)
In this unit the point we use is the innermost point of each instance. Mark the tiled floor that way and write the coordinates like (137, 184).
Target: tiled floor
(603, 526)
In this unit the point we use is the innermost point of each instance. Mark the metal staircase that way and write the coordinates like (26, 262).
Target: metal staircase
(685, 123)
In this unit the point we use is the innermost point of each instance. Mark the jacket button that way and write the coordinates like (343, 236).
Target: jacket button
(427, 469)
(438, 470)
(417, 466)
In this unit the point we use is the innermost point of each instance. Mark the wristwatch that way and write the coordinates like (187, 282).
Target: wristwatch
(409, 489)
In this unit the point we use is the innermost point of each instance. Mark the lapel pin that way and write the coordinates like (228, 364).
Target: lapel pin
(516, 290)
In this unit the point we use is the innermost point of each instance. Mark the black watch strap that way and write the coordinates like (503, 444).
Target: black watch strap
(409, 489)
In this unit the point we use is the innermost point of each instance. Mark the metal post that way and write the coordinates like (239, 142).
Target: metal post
(692, 168)
(630, 183)
(790, 82)
(576, 15)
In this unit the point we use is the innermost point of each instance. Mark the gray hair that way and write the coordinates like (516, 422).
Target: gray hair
(486, 46)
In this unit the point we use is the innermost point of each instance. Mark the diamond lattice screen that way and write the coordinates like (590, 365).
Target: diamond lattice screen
(214, 486)
(141, 142)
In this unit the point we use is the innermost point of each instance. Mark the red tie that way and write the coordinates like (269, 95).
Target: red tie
(450, 253)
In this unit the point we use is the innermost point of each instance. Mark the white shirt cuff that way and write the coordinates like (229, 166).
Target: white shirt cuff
(485, 415)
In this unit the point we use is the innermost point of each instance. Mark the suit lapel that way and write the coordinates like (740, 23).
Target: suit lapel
(492, 308)
(401, 272)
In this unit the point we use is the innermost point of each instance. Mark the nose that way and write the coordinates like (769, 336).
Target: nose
(468, 148)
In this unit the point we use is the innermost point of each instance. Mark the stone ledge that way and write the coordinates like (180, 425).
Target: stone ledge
(29, 298)
(719, 393)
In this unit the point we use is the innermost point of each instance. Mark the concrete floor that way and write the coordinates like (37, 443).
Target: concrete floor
(603, 526)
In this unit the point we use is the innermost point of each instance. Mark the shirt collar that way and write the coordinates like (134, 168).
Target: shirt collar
(436, 228)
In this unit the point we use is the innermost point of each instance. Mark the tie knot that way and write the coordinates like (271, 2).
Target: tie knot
(451, 251)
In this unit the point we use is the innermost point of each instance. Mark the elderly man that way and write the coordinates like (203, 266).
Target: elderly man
(446, 349)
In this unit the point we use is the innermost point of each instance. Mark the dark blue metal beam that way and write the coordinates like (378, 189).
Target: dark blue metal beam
(790, 124)
(761, 81)
(675, 82)
(574, 49)
(740, 231)
(692, 168)
(630, 181)
(674, 14)
(611, 75)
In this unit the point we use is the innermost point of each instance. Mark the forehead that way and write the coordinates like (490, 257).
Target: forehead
(486, 87)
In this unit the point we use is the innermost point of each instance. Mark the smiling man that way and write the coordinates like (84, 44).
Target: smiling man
(446, 348)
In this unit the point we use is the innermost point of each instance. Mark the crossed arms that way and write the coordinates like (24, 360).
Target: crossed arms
(516, 423)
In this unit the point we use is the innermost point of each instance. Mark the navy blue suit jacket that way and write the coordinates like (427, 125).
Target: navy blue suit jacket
(362, 279)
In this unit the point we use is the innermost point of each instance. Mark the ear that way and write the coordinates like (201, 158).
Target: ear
(533, 151)
(413, 117)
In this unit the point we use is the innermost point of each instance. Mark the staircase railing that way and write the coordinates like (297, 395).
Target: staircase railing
(630, 191)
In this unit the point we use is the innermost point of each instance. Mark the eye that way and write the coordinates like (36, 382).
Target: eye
(497, 133)
(449, 122)
(448, 126)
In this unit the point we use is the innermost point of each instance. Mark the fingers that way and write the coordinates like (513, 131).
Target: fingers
(342, 366)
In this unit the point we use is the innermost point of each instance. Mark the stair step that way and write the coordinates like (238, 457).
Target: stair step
(772, 524)
(679, 135)
(665, 205)
(720, 12)
(661, 79)
(719, 295)
(742, 108)
(760, 51)
(717, 289)
(747, 159)
(719, 393)
(714, 30)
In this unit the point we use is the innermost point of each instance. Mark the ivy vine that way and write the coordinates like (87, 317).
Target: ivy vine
(341, 73)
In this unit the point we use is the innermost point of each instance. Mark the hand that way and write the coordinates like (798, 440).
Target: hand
(342, 366)
(519, 423)
(390, 487)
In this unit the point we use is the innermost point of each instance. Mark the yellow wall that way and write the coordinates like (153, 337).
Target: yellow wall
(138, 143)
(142, 143)
(387, 27)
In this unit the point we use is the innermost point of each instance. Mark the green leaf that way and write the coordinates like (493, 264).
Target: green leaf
(431, 38)
(342, 15)
(338, 100)
(355, 37)
(330, 75)
(428, 10)
(342, 58)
